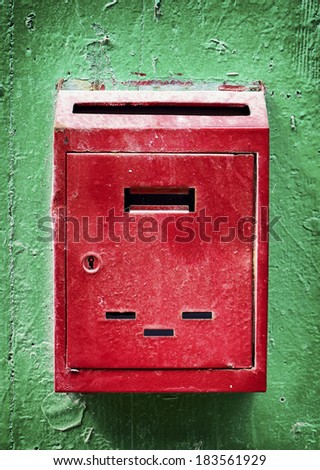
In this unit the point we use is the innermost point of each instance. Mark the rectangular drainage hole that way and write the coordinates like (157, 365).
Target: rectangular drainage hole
(176, 109)
(158, 332)
(197, 315)
(120, 315)
(159, 199)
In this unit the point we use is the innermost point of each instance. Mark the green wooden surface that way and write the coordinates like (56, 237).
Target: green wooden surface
(273, 41)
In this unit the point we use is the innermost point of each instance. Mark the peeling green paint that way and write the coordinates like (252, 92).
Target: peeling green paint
(204, 41)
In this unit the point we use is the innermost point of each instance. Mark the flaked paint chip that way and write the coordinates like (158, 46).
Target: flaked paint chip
(63, 412)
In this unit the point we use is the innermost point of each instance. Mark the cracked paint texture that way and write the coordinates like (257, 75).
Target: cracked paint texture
(238, 41)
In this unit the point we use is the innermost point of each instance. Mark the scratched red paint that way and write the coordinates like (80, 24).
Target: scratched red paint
(160, 83)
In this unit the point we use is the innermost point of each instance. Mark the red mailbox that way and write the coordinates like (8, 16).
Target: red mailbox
(160, 254)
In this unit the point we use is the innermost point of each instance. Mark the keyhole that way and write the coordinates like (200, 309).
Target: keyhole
(91, 262)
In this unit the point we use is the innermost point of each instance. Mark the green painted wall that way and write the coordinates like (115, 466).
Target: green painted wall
(273, 41)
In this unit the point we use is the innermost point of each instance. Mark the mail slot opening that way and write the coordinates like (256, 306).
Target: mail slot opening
(196, 315)
(159, 199)
(177, 109)
(158, 332)
(120, 315)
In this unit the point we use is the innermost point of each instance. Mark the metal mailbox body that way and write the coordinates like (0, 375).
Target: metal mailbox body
(160, 204)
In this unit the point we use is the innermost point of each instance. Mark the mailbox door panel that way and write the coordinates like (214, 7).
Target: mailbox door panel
(160, 283)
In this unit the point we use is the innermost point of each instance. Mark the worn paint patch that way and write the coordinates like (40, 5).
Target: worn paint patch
(307, 56)
(157, 83)
(62, 411)
(29, 22)
(305, 432)
(87, 435)
(97, 54)
(157, 10)
(221, 47)
(312, 224)
(110, 4)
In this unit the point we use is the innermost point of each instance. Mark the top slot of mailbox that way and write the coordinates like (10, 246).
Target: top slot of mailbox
(160, 109)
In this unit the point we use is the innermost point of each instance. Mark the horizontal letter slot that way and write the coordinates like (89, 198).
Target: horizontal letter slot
(120, 315)
(159, 199)
(158, 332)
(197, 315)
(177, 109)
